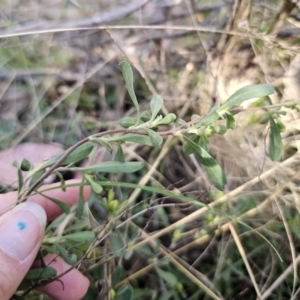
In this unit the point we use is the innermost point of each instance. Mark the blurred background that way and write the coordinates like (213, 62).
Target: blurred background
(60, 81)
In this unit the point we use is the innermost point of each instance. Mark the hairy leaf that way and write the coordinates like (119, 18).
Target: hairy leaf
(246, 93)
(97, 188)
(134, 138)
(119, 156)
(128, 77)
(127, 122)
(155, 137)
(80, 237)
(77, 155)
(155, 105)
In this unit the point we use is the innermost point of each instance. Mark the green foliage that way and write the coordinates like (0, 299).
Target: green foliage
(113, 236)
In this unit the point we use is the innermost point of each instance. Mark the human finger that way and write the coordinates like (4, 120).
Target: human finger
(71, 286)
(70, 196)
(21, 233)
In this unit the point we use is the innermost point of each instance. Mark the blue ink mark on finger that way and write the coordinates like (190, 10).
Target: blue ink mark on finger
(22, 225)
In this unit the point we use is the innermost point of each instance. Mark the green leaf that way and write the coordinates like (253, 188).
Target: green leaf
(80, 237)
(125, 292)
(145, 116)
(264, 119)
(275, 144)
(280, 126)
(119, 156)
(155, 137)
(169, 118)
(207, 120)
(117, 245)
(62, 180)
(127, 122)
(64, 254)
(20, 180)
(97, 188)
(213, 170)
(77, 155)
(80, 204)
(167, 276)
(26, 165)
(103, 143)
(64, 206)
(187, 149)
(117, 275)
(40, 273)
(204, 142)
(134, 138)
(36, 176)
(113, 167)
(128, 77)
(246, 93)
(155, 105)
(230, 121)
(219, 129)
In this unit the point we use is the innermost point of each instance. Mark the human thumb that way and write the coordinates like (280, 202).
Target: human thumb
(21, 233)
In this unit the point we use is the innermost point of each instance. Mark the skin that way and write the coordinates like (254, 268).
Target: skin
(26, 224)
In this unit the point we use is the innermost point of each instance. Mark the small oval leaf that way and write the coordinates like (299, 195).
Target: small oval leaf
(134, 138)
(155, 137)
(128, 77)
(117, 245)
(167, 276)
(127, 122)
(26, 165)
(125, 292)
(97, 188)
(156, 104)
(169, 118)
(80, 237)
(145, 116)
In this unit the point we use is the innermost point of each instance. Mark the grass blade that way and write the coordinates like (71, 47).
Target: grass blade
(275, 145)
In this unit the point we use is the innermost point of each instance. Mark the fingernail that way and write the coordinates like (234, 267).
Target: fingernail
(22, 230)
